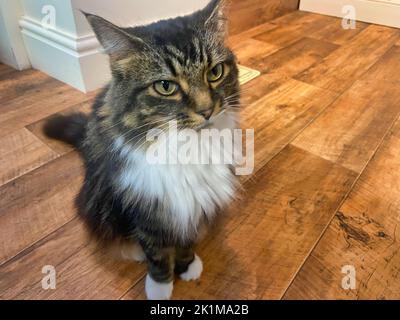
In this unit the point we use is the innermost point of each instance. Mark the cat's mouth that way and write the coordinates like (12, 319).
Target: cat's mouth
(205, 125)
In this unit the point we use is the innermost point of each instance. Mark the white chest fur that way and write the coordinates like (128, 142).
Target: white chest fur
(185, 191)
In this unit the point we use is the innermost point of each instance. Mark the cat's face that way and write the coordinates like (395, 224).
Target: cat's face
(177, 69)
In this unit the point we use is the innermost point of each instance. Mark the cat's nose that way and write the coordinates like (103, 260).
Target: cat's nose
(207, 113)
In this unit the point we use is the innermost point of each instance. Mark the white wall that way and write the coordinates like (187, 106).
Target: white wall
(384, 12)
(70, 52)
(133, 12)
(64, 14)
(12, 48)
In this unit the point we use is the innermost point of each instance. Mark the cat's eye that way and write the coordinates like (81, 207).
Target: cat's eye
(215, 73)
(165, 87)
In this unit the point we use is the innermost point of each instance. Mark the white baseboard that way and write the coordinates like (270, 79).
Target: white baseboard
(384, 12)
(76, 61)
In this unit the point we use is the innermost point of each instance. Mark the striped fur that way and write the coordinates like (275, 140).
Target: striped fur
(125, 199)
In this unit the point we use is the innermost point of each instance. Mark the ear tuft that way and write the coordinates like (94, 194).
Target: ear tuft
(112, 38)
(215, 16)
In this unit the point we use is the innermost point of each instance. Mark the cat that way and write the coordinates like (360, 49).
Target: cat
(176, 69)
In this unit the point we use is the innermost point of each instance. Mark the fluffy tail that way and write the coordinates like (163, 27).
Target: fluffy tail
(70, 128)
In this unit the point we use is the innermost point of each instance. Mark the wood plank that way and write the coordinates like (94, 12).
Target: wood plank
(247, 14)
(352, 128)
(263, 238)
(249, 50)
(288, 33)
(260, 87)
(387, 69)
(21, 152)
(363, 234)
(232, 39)
(296, 18)
(38, 203)
(59, 147)
(334, 32)
(343, 67)
(52, 250)
(83, 270)
(47, 99)
(278, 117)
(294, 58)
(299, 18)
(6, 71)
(22, 82)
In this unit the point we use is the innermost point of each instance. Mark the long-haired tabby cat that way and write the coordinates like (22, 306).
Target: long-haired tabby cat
(177, 69)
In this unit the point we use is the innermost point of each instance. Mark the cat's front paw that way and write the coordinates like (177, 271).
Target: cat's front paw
(194, 270)
(158, 290)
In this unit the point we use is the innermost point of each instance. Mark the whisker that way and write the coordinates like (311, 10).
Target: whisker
(141, 133)
(136, 128)
(157, 127)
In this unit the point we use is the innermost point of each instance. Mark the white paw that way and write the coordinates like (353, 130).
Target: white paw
(194, 270)
(133, 252)
(157, 290)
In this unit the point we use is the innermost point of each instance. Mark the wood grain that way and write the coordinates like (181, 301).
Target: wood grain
(52, 250)
(334, 32)
(339, 70)
(244, 15)
(386, 71)
(296, 18)
(48, 99)
(264, 237)
(259, 87)
(83, 270)
(281, 115)
(21, 152)
(252, 32)
(294, 58)
(349, 132)
(38, 203)
(287, 33)
(363, 235)
(299, 18)
(6, 72)
(250, 51)
(23, 82)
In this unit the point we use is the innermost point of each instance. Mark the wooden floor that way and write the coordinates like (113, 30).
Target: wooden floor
(325, 195)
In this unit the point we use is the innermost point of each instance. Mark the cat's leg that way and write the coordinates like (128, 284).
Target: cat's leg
(160, 276)
(187, 264)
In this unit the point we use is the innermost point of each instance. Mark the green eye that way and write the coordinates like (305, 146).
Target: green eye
(165, 88)
(215, 73)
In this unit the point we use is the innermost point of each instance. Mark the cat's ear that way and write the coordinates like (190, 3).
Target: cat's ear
(114, 40)
(215, 17)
